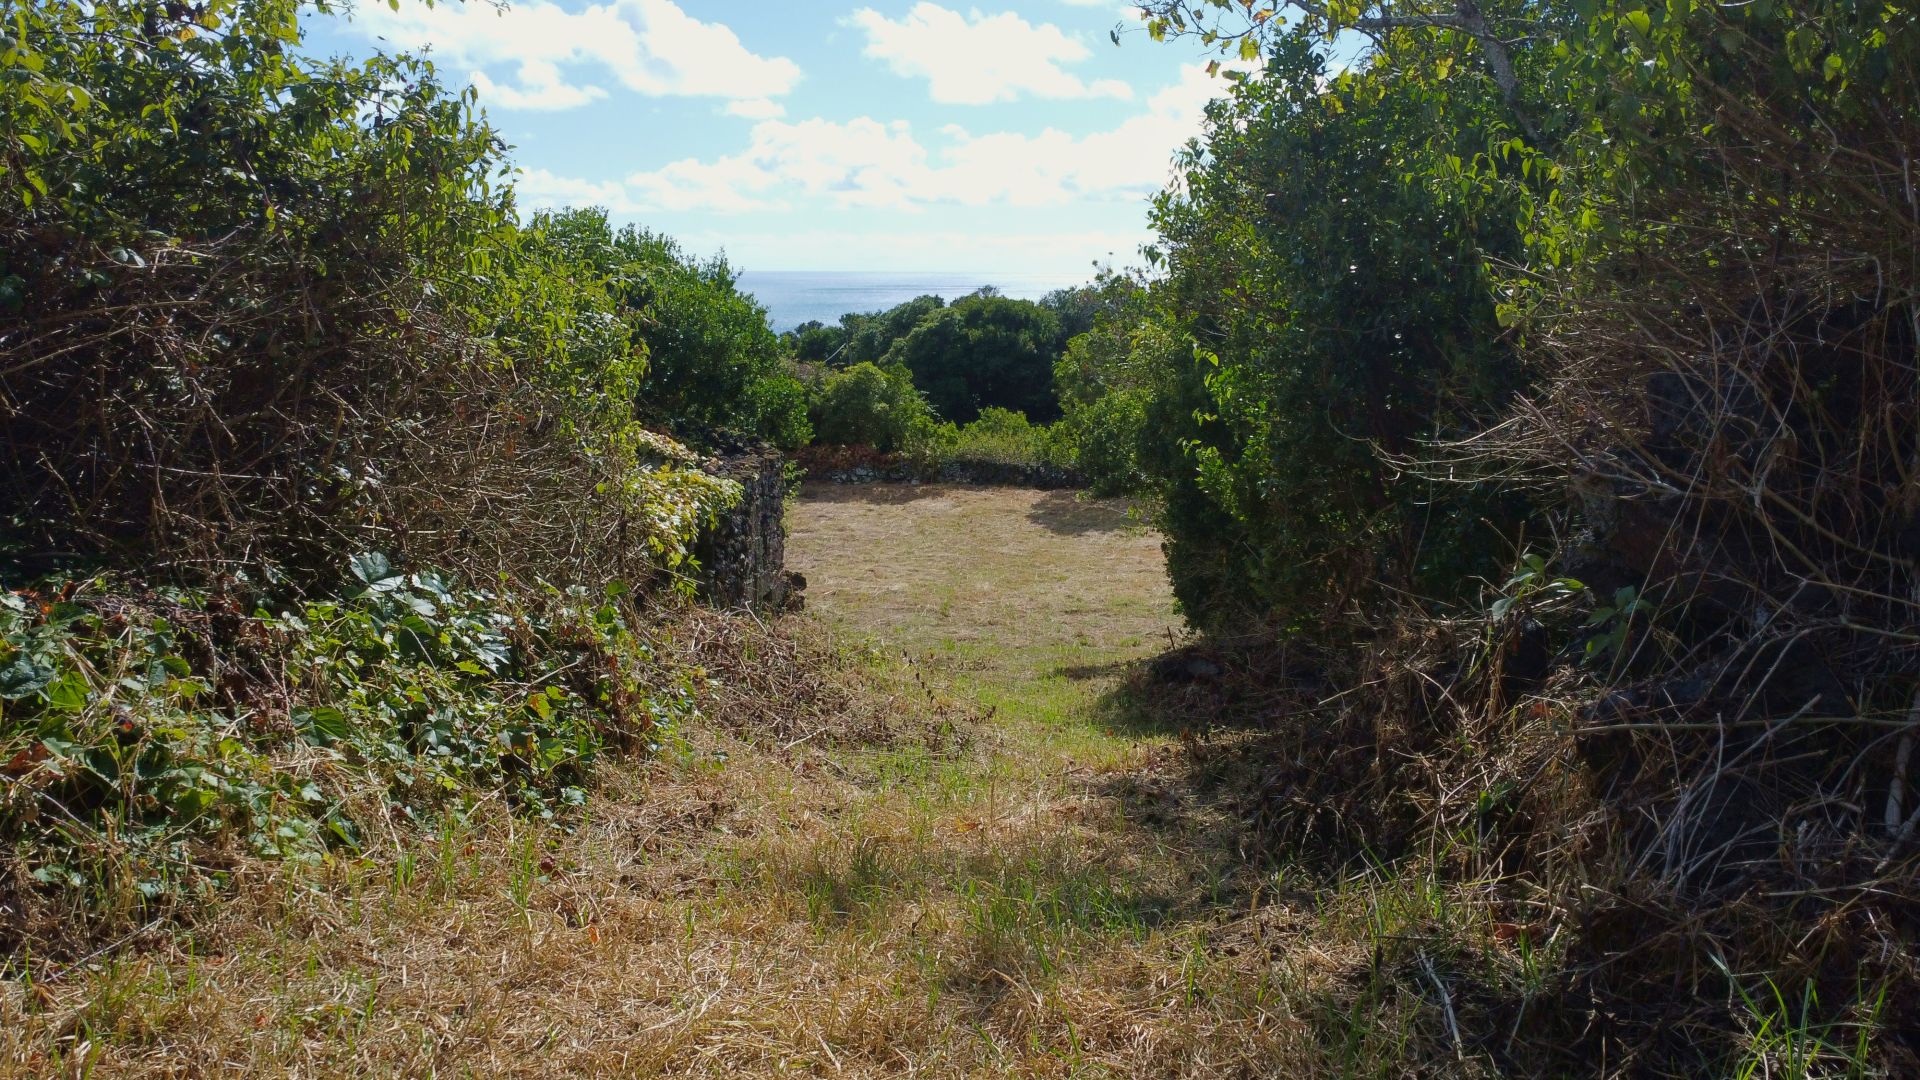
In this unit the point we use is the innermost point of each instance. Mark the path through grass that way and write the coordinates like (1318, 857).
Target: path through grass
(954, 866)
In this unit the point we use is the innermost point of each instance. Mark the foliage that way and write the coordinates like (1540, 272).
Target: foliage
(260, 315)
(999, 437)
(980, 352)
(1078, 309)
(868, 406)
(869, 338)
(1653, 268)
(1319, 346)
(859, 337)
(814, 342)
(204, 225)
(1107, 378)
(142, 729)
(714, 361)
(259, 309)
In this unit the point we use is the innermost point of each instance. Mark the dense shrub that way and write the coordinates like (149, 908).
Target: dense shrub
(1000, 437)
(1108, 378)
(712, 363)
(261, 315)
(1639, 280)
(147, 730)
(261, 308)
(983, 352)
(712, 360)
(868, 406)
(1302, 345)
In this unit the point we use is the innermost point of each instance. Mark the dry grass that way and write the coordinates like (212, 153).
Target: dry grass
(844, 873)
(975, 866)
(1007, 580)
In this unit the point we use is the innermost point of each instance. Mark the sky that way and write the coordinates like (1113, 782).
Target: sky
(886, 135)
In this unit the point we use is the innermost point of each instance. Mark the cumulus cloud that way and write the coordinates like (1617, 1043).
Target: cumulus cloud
(867, 163)
(648, 46)
(539, 188)
(1063, 251)
(756, 108)
(978, 59)
(538, 87)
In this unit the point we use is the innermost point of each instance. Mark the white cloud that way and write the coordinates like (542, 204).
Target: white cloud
(649, 46)
(978, 59)
(867, 163)
(756, 108)
(540, 87)
(1066, 252)
(1054, 167)
(538, 188)
(858, 163)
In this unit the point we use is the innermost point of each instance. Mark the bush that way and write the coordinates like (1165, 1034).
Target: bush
(1315, 345)
(144, 729)
(712, 365)
(867, 406)
(1106, 438)
(221, 261)
(1004, 437)
(263, 309)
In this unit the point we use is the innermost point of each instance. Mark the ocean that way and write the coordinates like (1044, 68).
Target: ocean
(792, 297)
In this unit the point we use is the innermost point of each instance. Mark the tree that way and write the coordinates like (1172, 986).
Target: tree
(1335, 317)
(1245, 28)
(814, 342)
(870, 337)
(713, 364)
(983, 351)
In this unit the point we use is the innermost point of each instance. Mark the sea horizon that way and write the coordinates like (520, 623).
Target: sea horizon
(794, 297)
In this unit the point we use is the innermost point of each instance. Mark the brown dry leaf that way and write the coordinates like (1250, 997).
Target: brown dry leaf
(24, 761)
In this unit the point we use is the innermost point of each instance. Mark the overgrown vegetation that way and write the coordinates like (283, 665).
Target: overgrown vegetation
(1528, 412)
(333, 490)
(1528, 408)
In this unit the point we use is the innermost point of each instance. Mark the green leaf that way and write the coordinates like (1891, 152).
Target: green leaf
(371, 567)
(323, 725)
(69, 693)
(23, 677)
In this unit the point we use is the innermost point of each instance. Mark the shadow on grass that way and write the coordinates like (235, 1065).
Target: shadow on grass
(1069, 514)
(878, 493)
(1082, 672)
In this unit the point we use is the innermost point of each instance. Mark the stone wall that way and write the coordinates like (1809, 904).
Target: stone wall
(743, 558)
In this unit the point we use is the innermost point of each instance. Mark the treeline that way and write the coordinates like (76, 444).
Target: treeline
(335, 492)
(1530, 407)
(935, 381)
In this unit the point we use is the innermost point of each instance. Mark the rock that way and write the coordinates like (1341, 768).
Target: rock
(743, 557)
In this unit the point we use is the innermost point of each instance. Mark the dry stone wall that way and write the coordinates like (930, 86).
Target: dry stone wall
(743, 557)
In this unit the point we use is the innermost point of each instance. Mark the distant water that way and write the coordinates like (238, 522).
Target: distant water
(793, 297)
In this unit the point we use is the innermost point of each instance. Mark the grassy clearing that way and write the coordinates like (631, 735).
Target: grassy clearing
(887, 881)
(967, 862)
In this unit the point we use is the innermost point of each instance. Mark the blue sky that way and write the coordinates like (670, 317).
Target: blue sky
(819, 135)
